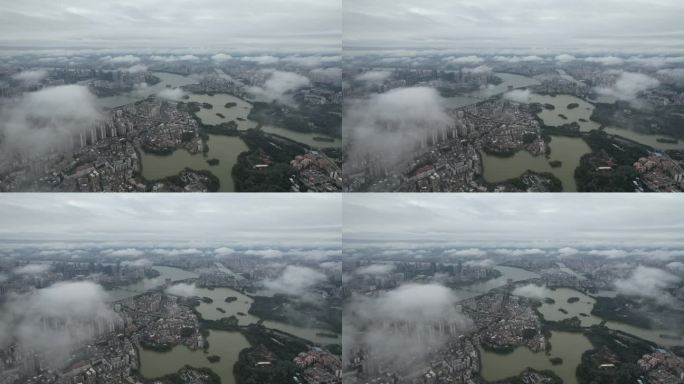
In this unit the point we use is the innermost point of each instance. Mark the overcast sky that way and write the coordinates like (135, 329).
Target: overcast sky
(236, 24)
(287, 219)
(525, 219)
(557, 25)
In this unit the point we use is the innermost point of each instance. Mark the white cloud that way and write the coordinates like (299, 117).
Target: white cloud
(606, 60)
(469, 252)
(221, 57)
(30, 77)
(33, 269)
(294, 280)
(375, 269)
(565, 58)
(125, 59)
(649, 283)
(374, 76)
(531, 290)
(173, 94)
(136, 68)
(628, 86)
(518, 95)
(279, 85)
(182, 290)
(261, 60)
(568, 251)
(265, 253)
(464, 59)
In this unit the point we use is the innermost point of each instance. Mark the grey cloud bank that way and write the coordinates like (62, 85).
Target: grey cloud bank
(531, 25)
(260, 24)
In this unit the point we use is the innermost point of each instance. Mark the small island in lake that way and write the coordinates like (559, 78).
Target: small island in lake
(667, 141)
(230, 104)
(220, 309)
(549, 300)
(214, 358)
(583, 120)
(213, 162)
(556, 360)
(548, 106)
(563, 311)
(221, 115)
(207, 300)
(562, 116)
(555, 163)
(241, 314)
(573, 299)
(230, 299)
(207, 106)
(573, 105)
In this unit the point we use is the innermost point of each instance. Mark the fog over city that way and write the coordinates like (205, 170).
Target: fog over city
(252, 25)
(517, 25)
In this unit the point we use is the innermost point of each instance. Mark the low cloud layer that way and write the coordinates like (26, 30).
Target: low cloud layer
(173, 94)
(33, 269)
(279, 86)
(47, 119)
(182, 290)
(531, 290)
(628, 86)
(377, 325)
(391, 125)
(648, 283)
(78, 307)
(294, 280)
(375, 269)
(519, 95)
(374, 76)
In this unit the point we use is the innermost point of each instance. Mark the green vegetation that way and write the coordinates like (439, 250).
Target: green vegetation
(573, 299)
(220, 309)
(667, 141)
(620, 349)
(573, 105)
(622, 309)
(221, 115)
(150, 346)
(608, 151)
(213, 162)
(325, 118)
(187, 332)
(555, 163)
(562, 116)
(549, 300)
(175, 378)
(214, 358)
(273, 350)
(662, 119)
(207, 300)
(548, 106)
(230, 104)
(230, 299)
(207, 106)
(274, 152)
(563, 311)
(223, 324)
(297, 312)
